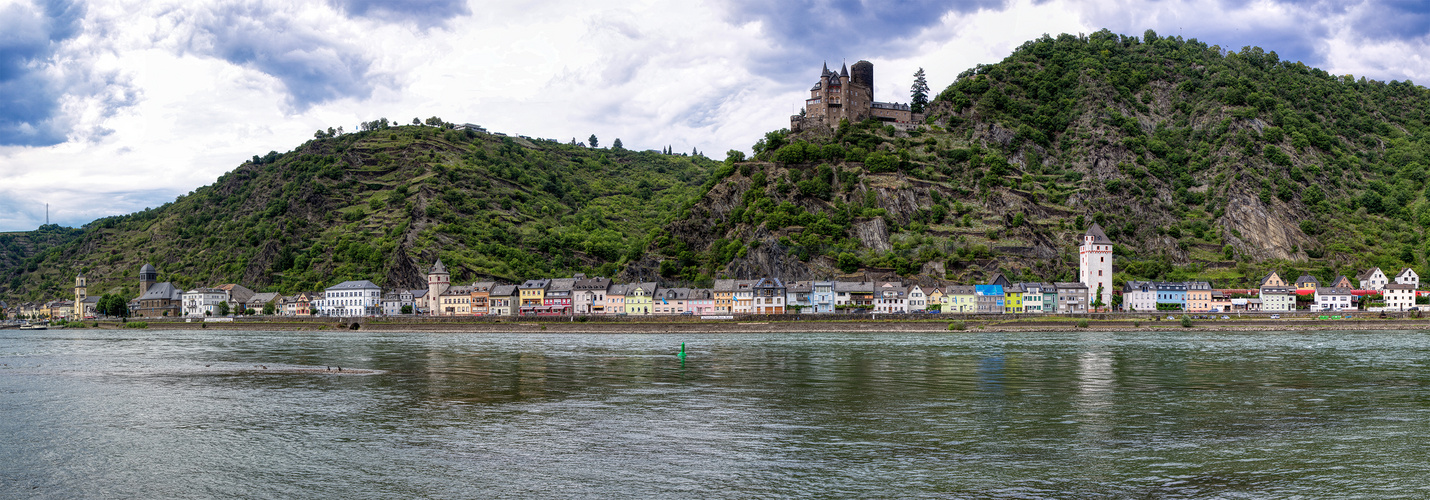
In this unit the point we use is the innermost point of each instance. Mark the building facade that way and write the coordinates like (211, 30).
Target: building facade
(1095, 265)
(849, 95)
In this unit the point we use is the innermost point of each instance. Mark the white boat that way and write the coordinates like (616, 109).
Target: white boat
(33, 326)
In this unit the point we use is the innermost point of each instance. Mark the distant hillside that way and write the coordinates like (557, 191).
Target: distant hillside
(379, 205)
(1199, 162)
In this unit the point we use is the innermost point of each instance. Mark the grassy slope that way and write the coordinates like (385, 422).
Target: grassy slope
(382, 205)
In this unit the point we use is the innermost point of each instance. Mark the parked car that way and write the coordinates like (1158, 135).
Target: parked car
(1275, 316)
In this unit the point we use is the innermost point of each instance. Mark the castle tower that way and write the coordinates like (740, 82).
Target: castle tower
(147, 277)
(81, 292)
(1095, 265)
(438, 280)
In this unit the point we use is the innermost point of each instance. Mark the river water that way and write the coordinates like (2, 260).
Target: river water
(199, 414)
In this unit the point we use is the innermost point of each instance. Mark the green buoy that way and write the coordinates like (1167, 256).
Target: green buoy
(681, 354)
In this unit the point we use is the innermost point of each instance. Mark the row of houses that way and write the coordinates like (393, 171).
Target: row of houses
(582, 295)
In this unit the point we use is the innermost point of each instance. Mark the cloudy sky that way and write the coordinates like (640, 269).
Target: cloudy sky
(109, 107)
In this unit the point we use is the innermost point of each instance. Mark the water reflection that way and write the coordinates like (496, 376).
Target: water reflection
(1087, 414)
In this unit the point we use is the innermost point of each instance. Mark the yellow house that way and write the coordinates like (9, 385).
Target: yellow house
(723, 294)
(531, 296)
(935, 299)
(1013, 299)
(961, 299)
(638, 299)
(456, 301)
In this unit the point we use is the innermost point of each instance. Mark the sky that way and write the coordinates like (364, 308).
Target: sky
(111, 107)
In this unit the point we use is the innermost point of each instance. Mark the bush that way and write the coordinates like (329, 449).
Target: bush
(136, 324)
(1082, 323)
(957, 325)
(1186, 321)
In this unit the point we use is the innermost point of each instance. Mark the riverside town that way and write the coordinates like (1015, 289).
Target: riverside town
(580, 295)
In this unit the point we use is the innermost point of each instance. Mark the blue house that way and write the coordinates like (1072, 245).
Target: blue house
(823, 297)
(1172, 293)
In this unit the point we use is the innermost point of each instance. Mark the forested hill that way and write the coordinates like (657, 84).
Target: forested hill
(379, 205)
(1198, 161)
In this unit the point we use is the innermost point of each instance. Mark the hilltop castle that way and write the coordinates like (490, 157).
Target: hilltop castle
(849, 94)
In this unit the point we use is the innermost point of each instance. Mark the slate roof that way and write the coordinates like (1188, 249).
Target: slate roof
(854, 286)
(1097, 235)
(438, 268)
(346, 286)
(1366, 274)
(163, 291)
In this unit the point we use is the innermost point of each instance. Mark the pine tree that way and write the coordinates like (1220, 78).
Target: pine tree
(920, 91)
(592, 140)
(617, 144)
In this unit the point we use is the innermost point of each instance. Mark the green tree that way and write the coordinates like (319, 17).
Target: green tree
(592, 141)
(848, 262)
(617, 144)
(407, 309)
(268, 309)
(223, 308)
(1098, 303)
(416, 121)
(734, 156)
(919, 93)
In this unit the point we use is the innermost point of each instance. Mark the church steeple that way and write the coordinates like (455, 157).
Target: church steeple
(844, 71)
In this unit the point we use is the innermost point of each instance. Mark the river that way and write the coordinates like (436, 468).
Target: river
(201, 414)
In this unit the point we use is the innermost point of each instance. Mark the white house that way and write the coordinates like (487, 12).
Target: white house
(1332, 299)
(1407, 276)
(201, 302)
(1399, 296)
(1372, 279)
(917, 301)
(890, 298)
(1138, 296)
(352, 298)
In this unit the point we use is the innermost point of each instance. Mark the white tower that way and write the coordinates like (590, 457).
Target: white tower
(1095, 265)
(437, 283)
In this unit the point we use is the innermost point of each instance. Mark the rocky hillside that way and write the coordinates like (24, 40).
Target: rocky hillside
(380, 205)
(1199, 162)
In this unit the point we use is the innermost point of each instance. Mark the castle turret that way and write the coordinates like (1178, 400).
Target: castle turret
(862, 73)
(1095, 265)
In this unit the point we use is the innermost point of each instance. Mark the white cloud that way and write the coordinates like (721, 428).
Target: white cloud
(165, 96)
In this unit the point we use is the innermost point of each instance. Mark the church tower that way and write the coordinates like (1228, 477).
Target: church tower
(147, 277)
(81, 292)
(437, 283)
(1095, 266)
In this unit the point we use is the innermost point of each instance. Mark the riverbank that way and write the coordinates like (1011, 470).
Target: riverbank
(687, 325)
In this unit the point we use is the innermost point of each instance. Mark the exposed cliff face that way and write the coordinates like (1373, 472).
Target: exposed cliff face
(1186, 160)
